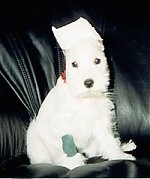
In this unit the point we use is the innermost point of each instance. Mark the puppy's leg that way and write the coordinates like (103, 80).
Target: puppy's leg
(91, 150)
(109, 147)
(113, 151)
(70, 162)
(41, 151)
(36, 149)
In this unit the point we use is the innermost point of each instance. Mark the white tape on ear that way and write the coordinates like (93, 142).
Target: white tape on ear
(68, 34)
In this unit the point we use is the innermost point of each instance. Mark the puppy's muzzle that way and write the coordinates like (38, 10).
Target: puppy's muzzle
(88, 83)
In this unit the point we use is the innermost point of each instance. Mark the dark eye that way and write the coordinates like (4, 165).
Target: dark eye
(97, 61)
(75, 64)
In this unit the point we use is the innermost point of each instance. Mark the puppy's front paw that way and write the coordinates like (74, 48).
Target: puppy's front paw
(75, 161)
(123, 156)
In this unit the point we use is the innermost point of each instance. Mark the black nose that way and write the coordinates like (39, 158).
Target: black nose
(88, 83)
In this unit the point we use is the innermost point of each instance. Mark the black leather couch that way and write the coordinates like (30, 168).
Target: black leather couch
(31, 61)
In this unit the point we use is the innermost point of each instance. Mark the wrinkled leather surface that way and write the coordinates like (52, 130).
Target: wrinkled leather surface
(31, 61)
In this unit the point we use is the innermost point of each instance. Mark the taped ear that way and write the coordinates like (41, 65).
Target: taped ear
(67, 35)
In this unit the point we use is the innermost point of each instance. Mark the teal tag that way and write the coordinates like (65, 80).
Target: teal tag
(68, 145)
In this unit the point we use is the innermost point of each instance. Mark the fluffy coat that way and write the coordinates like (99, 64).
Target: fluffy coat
(80, 106)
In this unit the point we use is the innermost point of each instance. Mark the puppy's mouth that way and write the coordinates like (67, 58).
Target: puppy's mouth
(91, 94)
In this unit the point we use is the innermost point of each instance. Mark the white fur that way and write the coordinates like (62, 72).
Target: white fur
(71, 108)
(76, 30)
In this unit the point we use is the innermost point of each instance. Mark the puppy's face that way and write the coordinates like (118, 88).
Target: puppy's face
(87, 73)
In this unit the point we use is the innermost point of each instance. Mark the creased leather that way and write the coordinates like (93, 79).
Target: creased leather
(14, 62)
(17, 69)
(110, 169)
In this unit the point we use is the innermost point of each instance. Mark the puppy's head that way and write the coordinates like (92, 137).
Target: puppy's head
(87, 73)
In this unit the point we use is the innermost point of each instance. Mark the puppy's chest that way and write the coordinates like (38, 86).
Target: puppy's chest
(83, 108)
(82, 115)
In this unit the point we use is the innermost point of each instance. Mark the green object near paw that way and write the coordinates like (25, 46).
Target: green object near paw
(68, 145)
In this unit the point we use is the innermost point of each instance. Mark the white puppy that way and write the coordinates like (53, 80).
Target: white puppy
(80, 106)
